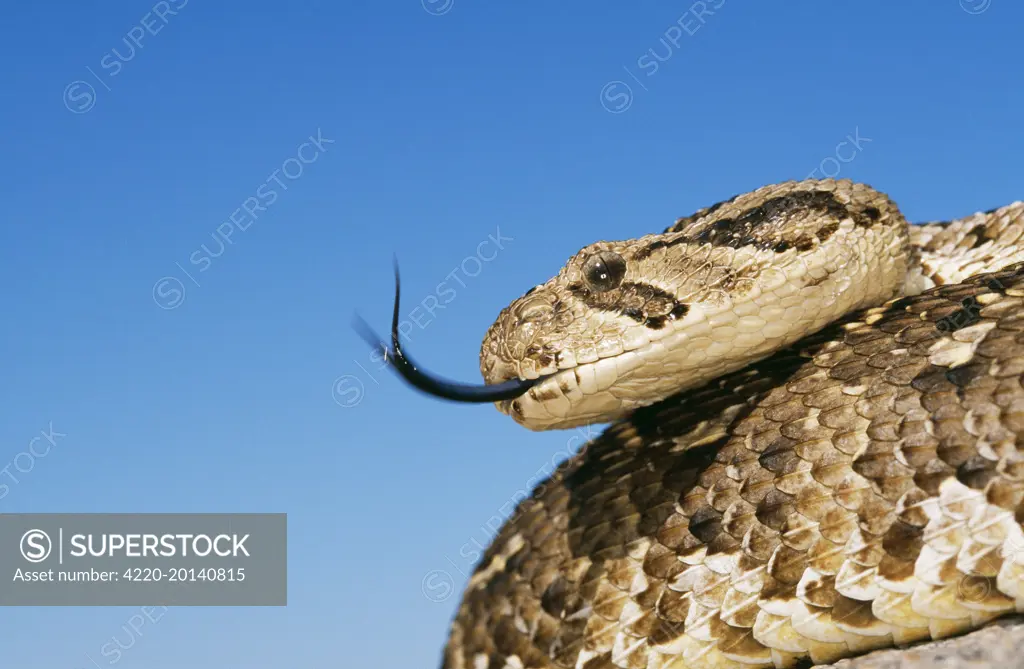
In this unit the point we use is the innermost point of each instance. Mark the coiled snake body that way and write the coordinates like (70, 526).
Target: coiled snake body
(797, 469)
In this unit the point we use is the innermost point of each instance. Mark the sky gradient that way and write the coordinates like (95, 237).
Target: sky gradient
(197, 196)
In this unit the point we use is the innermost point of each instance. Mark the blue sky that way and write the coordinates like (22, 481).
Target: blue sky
(484, 143)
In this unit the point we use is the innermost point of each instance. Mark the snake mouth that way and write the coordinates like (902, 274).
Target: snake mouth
(429, 383)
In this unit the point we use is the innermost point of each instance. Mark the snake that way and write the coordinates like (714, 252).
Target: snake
(814, 449)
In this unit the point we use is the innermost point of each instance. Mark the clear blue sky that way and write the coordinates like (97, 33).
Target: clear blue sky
(446, 126)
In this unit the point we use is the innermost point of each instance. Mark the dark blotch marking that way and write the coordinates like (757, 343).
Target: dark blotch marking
(804, 244)
(656, 322)
(706, 524)
(610, 301)
(962, 376)
(552, 601)
(719, 228)
(934, 379)
(801, 243)
(996, 286)
(979, 235)
(679, 311)
(826, 231)
(742, 230)
(634, 313)
(700, 213)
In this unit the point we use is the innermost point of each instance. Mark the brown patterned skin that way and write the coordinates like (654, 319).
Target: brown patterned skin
(860, 489)
(709, 295)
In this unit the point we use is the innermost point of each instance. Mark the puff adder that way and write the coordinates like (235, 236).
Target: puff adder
(815, 446)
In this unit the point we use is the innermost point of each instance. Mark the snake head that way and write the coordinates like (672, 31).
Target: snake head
(593, 335)
(629, 323)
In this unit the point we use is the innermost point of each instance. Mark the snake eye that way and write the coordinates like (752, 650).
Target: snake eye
(604, 271)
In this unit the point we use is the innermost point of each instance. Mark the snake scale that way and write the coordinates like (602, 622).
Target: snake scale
(816, 444)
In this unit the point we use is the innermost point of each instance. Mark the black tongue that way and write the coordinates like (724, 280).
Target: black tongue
(430, 383)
